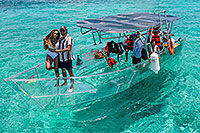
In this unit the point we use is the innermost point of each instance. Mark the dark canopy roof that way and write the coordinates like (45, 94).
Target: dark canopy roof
(123, 23)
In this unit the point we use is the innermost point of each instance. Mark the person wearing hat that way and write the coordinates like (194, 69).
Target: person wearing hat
(139, 50)
(65, 55)
(129, 40)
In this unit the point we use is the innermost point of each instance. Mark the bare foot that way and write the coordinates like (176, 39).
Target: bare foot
(51, 68)
(64, 84)
(56, 85)
(71, 89)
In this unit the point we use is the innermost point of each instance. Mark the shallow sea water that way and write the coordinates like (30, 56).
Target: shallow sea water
(166, 102)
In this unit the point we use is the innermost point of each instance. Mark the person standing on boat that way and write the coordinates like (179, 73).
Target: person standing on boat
(51, 43)
(139, 50)
(129, 40)
(65, 55)
(156, 40)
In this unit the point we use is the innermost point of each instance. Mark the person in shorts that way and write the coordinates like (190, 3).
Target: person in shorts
(139, 51)
(65, 55)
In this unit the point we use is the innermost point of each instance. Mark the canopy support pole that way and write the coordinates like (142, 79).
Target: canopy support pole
(168, 27)
(99, 34)
(94, 37)
(146, 42)
(171, 27)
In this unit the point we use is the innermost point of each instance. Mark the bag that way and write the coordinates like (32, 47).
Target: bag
(113, 47)
(111, 62)
(99, 55)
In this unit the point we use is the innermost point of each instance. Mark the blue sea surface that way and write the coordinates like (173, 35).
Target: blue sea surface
(166, 102)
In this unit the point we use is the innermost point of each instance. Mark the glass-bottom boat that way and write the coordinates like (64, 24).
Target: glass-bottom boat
(94, 78)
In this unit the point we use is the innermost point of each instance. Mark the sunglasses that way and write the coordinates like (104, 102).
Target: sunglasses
(56, 33)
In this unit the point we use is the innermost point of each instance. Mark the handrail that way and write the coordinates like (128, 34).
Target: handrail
(6, 79)
(85, 31)
(113, 37)
(77, 77)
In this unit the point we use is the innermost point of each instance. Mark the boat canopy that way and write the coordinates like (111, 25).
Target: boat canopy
(124, 23)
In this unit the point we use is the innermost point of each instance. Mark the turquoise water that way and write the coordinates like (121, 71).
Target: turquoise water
(167, 102)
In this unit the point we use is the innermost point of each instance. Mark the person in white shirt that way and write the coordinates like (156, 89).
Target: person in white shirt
(65, 55)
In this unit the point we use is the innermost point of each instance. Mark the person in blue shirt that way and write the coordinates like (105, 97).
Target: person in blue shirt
(139, 50)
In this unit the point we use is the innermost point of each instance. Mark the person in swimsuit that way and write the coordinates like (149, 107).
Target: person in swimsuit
(66, 56)
(51, 43)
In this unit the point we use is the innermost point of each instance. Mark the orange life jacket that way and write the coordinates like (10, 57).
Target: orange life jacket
(129, 41)
(171, 47)
(111, 62)
(149, 33)
(107, 49)
(156, 38)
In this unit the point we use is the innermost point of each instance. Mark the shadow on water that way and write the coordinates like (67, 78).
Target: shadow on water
(144, 99)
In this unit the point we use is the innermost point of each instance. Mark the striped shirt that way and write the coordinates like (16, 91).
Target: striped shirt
(66, 56)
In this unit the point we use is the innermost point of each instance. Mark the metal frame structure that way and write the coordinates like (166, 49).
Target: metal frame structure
(110, 24)
(160, 20)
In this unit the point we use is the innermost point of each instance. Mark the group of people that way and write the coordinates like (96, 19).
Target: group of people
(59, 45)
(135, 44)
(132, 43)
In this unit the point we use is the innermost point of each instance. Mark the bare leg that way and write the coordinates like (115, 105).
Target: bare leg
(126, 55)
(56, 70)
(64, 75)
(153, 45)
(72, 80)
(49, 61)
(149, 49)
